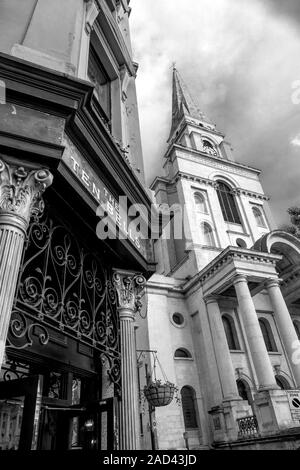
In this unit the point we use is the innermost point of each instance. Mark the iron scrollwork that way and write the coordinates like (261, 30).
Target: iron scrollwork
(64, 286)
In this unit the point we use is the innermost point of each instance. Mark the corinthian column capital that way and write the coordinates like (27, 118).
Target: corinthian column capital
(128, 286)
(21, 190)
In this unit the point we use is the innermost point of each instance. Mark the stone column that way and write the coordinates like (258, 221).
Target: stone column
(128, 286)
(20, 198)
(224, 362)
(285, 324)
(255, 338)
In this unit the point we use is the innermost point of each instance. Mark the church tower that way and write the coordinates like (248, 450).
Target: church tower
(223, 200)
(222, 326)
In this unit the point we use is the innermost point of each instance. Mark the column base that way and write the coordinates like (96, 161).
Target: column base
(273, 412)
(224, 419)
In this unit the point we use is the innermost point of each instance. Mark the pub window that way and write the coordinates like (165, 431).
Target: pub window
(98, 76)
(188, 399)
(230, 332)
(207, 234)
(228, 203)
(260, 221)
(267, 335)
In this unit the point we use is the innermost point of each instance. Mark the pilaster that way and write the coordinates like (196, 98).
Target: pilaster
(128, 286)
(20, 198)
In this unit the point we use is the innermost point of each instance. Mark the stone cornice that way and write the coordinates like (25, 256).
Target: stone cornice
(216, 162)
(229, 254)
(186, 121)
(245, 192)
(200, 180)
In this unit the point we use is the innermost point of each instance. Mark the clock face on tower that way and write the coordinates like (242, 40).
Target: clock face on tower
(209, 148)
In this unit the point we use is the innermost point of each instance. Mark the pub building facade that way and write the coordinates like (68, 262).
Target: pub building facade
(69, 143)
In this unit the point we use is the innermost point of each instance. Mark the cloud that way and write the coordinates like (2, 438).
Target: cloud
(296, 140)
(240, 60)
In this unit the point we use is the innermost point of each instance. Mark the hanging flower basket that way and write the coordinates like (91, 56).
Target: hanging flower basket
(158, 393)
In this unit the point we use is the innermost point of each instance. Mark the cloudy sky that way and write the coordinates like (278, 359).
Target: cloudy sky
(240, 60)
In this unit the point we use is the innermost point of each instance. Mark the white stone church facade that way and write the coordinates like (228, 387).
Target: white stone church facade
(223, 306)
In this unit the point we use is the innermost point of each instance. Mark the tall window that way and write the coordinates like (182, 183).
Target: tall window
(297, 328)
(200, 202)
(208, 236)
(100, 79)
(188, 398)
(260, 221)
(230, 331)
(228, 204)
(268, 335)
(244, 391)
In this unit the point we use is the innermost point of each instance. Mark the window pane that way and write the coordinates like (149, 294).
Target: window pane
(11, 412)
(259, 217)
(208, 236)
(188, 408)
(200, 202)
(230, 334)
(267, 335)
(228, 204)
(98, 77)
(182, 353)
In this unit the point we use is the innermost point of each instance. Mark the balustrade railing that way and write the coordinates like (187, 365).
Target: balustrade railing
(248, 427)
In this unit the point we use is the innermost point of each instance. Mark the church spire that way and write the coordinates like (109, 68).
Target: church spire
(183, 104)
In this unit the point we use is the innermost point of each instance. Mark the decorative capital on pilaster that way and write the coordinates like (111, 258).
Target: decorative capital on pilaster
(210, 299)
(128, 286)
(272, 282)
(239, 278)
(21, 190)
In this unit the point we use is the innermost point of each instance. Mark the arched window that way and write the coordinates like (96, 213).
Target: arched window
(200, 202)
(208, 236)
(268, 335)
(260, 221)
(297, 328)
(182, 353)
(227, 203)
(230, 331)
(188, 398)
(244, 391)
(208, 147)
(282, 382)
